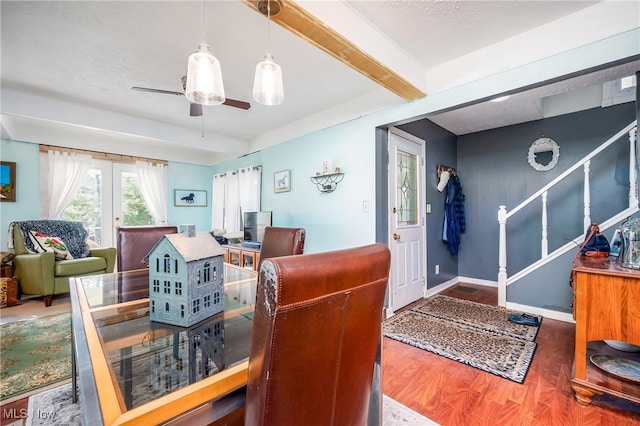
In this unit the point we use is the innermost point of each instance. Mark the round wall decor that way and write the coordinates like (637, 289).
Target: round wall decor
(543, 154)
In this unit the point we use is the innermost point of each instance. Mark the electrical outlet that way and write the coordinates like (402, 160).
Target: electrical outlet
(428, 208)
(437, 269)
(365, 206)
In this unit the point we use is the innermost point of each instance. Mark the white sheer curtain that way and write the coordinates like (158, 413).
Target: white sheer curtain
(250, 183)
(217, 201)
(232, 202)
(152, 180)
(66, 171)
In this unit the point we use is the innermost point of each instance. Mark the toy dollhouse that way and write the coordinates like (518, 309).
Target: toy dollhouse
(185, 278)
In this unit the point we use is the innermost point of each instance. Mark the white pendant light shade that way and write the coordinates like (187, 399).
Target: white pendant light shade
(267, 84)
(204, 78)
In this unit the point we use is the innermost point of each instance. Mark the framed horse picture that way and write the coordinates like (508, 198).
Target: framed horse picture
(189, 198)
(282, 181)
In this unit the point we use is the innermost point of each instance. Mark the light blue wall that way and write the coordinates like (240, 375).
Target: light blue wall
(27, 204)
(332, 220)
(189, 176)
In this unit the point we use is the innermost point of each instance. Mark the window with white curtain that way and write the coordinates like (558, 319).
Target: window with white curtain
(234, 193)
(102, 193)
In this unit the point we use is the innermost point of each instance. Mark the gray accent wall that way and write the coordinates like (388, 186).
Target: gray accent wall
(494, 170)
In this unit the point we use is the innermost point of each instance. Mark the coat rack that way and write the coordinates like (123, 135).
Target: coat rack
(442, 167)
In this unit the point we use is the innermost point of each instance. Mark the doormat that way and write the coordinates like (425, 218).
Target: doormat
(471, 333)
(34, 353)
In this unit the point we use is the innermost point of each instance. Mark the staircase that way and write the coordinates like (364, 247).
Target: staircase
(545, 257)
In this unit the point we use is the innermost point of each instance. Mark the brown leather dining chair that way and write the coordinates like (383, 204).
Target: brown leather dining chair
(279, 241)
(134, 243)
(315, 336)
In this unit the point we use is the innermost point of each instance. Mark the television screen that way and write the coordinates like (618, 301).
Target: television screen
(254, 225)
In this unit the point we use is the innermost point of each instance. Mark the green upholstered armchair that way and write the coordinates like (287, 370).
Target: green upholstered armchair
(42, 274)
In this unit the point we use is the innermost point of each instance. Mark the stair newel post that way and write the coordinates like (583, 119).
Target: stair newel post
(502, 257)
(545, 241)
(633, 173)
(587, 196)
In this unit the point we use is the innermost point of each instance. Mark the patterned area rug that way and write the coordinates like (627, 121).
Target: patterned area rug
(34, 353)
(474, 334)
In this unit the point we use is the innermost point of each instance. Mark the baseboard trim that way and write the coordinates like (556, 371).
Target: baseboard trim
(477, 281)
(546, 313)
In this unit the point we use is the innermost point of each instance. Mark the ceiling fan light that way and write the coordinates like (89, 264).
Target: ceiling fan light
(204, 77)
(267, 84)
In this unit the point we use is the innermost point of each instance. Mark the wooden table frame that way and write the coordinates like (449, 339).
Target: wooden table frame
(101, 396)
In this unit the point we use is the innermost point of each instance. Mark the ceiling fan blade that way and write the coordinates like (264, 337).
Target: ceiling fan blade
(195, 110)
(237, 104)
(164, 92)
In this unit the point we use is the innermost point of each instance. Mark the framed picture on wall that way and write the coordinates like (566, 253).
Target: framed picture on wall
(189, 198)
(7, 181)
(282, 181)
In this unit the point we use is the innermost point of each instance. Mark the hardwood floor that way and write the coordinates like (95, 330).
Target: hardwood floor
(452, 393)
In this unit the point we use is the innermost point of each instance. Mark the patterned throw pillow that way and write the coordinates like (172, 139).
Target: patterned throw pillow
(8, 292)
(43, 242)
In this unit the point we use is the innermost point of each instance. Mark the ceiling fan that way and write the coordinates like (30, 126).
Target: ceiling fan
(196, 109)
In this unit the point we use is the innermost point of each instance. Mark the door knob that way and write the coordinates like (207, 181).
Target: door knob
(396, 237)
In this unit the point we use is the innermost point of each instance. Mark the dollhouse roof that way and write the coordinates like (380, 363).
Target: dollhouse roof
(200, 246)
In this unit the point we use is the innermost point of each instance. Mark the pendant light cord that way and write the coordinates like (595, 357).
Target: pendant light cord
(269, 27)
(203, 1)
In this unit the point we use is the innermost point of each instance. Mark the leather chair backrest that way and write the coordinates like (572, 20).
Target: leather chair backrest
(281, 242)
(316, 331)
(135, 242)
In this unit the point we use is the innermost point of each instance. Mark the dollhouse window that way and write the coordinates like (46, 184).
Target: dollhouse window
(181, 311)
(207, 301)
(167, 263)
(178, 288)
(176, 266)
(196, 306)
(156, 286)
(216, 297)
(199, 276)
(153, 306)
(207, 272)
(167, 287)
(167, 307)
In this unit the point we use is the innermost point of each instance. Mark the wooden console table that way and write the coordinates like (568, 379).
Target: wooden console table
(606, 307)
(245, 257)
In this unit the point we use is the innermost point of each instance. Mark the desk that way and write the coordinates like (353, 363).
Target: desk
(606, 307)
(135, 371)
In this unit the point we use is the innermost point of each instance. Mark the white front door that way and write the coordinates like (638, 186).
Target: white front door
(406, 218)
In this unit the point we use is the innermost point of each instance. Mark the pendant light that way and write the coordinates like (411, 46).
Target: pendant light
(204, 76)
(267, 84)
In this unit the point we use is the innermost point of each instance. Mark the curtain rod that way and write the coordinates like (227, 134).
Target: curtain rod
(118, 158)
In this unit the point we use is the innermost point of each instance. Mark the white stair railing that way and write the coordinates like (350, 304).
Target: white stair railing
(585, 163)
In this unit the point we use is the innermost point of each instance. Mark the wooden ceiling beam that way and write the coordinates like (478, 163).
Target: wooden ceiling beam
(298, 21)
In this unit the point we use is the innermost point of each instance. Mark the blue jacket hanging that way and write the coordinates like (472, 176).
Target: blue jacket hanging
(454, 221)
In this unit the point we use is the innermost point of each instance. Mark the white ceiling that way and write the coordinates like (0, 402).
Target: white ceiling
(74, 63)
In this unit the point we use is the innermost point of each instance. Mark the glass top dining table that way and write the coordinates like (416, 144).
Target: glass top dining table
(134, 370)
